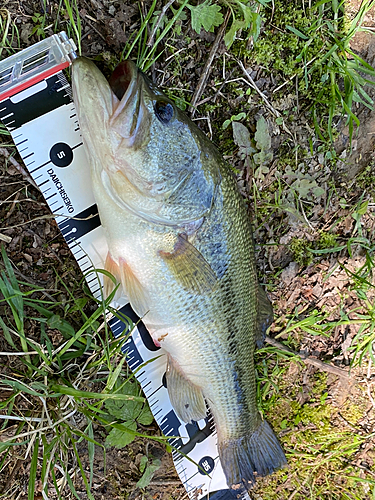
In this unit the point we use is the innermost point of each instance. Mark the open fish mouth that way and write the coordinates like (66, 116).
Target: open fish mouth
(123, 79)
(126, 83)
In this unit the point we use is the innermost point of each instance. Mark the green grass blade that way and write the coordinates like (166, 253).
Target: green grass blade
(33, 469)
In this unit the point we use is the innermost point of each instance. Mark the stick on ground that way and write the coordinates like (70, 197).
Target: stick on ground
(207, 67)
(4, 152)
(325, 367)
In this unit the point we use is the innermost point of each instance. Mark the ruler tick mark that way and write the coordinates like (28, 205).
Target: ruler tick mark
(52, 195)
(35, 169)
(28, 156)
(78, 243)
(44, 182)
(19, 143)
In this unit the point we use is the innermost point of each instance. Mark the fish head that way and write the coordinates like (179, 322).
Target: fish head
(150, 157)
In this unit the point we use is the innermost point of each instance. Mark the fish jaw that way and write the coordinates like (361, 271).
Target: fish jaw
(95, 103)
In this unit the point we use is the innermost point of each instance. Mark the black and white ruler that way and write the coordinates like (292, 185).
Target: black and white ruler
(37, 108)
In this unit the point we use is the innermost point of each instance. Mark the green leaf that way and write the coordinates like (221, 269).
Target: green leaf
(121, 438)
(149, 473)
(230, 35)
(126, 410)
(79, 304)
(6, 332)
(6, 444)
(363, 208)
(205, 15)
(60, 389)
(146, 417)
(113, 376)
(262, 135)
(143, 463)
(21, 387)
(57, 323)
(241, 137)
(297, 32)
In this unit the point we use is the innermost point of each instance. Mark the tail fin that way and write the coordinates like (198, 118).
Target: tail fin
(245, 458)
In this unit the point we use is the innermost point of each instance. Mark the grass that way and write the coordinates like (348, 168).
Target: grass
(70, 376)
(322, 441)
(53, 370)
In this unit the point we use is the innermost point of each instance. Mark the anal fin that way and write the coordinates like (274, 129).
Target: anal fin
(186, 398)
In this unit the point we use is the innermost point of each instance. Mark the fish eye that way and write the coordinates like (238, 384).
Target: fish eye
(164, 111)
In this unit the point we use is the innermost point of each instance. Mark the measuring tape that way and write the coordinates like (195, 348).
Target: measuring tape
(36, 107)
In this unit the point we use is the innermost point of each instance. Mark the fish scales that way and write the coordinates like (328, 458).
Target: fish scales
(180, 244)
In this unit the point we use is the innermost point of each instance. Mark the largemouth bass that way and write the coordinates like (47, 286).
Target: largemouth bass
(180, 244)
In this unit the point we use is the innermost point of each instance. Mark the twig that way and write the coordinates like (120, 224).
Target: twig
(42, 429)
(291, 78)
(22, 419)
(207, 67)
(93, 27)
(304, 215)
(5, 238)
(150, 41)
(17, 354)
(255, 87)
(325, 367)
(4, 152)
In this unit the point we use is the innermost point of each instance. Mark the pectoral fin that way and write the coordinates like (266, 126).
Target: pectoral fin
(186, 398)
(137, 295)
(189, 267)
(108, 284)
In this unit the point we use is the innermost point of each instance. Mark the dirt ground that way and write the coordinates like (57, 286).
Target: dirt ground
(324, 286)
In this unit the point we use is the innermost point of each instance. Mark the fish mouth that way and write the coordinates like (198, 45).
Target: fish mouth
(124, 76)
(126, 84)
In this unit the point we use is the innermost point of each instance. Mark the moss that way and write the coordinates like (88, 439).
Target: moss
(326, 240)
(281, 49)
(301, 254)
(317, 450)
(354, 412)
